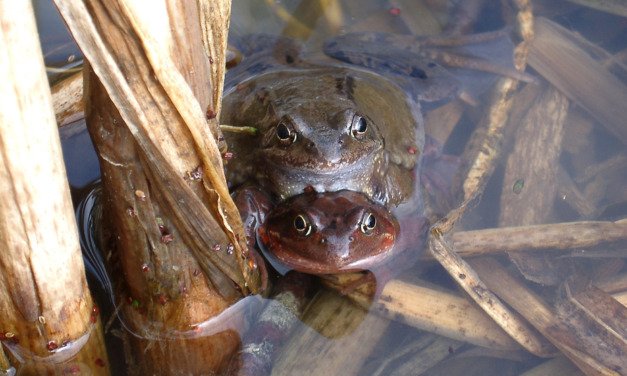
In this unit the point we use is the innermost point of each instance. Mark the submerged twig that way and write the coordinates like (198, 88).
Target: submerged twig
(489, 148)
(594, 352)
(468, 279)
(556, 55)
(558, 236)
(441, 313)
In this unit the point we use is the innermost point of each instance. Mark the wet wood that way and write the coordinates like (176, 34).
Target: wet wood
(469, 280)
(591, 351)
(338, 335)
(417, 357)
(44, 299)
(441, 312)
(175, 119)
(559, 366)
(428, 308)
(484, 147)
(557, 236)
(558, 57)
(171, 222)
(530, 182)
(67, 99)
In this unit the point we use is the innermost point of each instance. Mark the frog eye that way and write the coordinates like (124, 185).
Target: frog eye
(359, 126)
(285, 133)
(368, 223)
(302, 225)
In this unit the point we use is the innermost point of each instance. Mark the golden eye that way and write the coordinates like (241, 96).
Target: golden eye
(368, 223)
(302, 225)
(285, 133)
(359, 126)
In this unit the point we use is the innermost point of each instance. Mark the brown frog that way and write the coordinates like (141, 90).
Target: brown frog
(325, 124)
(325, 233)
(331, 128)
(331, 232)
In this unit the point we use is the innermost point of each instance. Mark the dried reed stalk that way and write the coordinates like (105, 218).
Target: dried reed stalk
(48, 319)
(556, 236)
(468, 279)
(485, 147)
(338, 336)
(558, 57)
(595, 353)
(441, 313)
(67, 99)
(152, 113)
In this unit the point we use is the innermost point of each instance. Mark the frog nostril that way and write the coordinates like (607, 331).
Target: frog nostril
(323, 240)
(311, 145)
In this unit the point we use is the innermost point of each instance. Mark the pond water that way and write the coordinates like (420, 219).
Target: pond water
(415, 297)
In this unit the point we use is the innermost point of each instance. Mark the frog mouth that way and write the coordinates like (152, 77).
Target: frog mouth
(315, 167)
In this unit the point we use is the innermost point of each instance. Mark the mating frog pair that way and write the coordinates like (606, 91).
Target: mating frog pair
(336, 162)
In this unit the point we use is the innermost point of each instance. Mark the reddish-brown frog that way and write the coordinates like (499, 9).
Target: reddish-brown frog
(331, 232)
(333, 128)
(325, 233)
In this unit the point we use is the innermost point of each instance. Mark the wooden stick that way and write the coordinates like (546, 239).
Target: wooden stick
(150, 112)
(441, 313)
(468, 279)
(556, 55)
(557, 237)
(338, 336)
(44, 299)
(172, 132)
(576, 343)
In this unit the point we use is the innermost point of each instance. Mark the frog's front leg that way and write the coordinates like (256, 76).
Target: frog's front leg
(253, 205)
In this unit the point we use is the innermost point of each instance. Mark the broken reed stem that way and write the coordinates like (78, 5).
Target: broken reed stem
(44, 297)
(442, 313)
(338, 335)
(559, 58)
(67, 99)
(214, 21)
(150, 113)
(174, 135)
(489, 147)
(557, 236)
(592, 356)
(468, 279)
